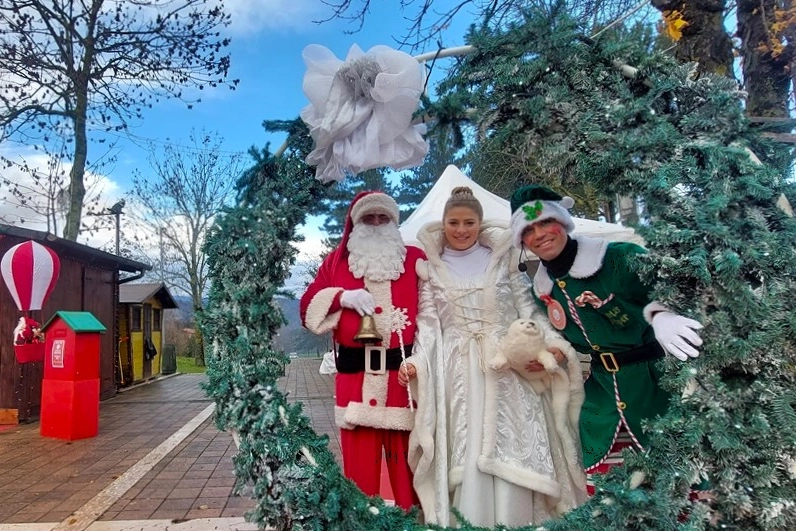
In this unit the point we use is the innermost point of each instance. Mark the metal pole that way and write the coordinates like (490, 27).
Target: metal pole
(161, 254)
(445, 52)
(118, 219)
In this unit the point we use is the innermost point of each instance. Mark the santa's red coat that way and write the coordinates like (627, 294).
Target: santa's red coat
(375, 400)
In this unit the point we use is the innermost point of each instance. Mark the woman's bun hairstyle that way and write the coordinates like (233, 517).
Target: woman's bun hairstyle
(462, 196)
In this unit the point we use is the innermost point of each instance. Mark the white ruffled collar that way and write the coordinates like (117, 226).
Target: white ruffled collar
(494, 234)
(588, 261)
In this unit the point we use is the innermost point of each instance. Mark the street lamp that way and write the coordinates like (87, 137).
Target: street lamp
(116, 210)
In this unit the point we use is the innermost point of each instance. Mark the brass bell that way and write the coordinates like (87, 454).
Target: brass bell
(367, 332)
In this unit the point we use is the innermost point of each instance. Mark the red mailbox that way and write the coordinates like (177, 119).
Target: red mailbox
(71, 387)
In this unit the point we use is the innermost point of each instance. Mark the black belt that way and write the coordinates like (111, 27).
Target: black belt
(613, 361)
(352, 359)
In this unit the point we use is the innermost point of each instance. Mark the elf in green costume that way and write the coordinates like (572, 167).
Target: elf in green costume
(592, 295)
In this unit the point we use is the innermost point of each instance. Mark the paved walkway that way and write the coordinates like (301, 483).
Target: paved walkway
(158, 461)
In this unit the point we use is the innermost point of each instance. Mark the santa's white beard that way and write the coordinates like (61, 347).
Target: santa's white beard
(376, 252)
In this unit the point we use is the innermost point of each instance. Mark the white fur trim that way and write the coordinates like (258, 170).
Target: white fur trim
(382, 294)
(524, 478)
(388, 418)
(567, 399)
(318, 319)
(339, 419)
(374, 388)
(372, 203)
(421, 269)
(494, 234)
(550, 210)
(455, 477)
(542, 283)
(589, 260)
(652, 308)
(372, 411)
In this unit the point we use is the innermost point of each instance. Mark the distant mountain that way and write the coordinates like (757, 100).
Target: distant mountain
(291, 337)
(185, 310)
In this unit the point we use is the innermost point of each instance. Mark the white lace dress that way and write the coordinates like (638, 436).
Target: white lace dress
(482, 440)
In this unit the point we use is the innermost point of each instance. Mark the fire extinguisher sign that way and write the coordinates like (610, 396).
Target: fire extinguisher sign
(57, 353)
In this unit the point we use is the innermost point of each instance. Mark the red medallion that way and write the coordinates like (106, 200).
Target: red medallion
(556, 315)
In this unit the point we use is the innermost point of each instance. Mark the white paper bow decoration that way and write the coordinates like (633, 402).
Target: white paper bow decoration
(360, 111)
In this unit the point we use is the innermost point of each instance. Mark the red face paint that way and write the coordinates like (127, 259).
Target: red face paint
(546, 239)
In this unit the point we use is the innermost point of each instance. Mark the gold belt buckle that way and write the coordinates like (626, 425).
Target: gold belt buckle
(609, 361)
(370, 349)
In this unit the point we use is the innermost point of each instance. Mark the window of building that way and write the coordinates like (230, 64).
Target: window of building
(157, 319)
(135, 318)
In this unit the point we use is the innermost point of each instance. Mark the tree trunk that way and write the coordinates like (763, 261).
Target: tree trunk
(628, 210)
(199, 355)
(704, 39)
(766, 59)
(77, 188)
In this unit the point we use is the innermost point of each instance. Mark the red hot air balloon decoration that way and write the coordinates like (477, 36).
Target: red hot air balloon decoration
(30, 271)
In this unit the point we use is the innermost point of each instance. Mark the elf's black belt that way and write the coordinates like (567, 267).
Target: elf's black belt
(352, 359)
(613, 361)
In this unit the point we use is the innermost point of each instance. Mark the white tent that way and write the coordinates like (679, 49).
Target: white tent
(430, 209)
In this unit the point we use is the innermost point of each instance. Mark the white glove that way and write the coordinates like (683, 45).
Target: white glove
(676, 334)
(358, 299)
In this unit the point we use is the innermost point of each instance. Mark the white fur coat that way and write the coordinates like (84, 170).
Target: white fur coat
(459, 325)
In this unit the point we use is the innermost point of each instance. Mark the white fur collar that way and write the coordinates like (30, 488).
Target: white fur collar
(588, 261)
(494, 234)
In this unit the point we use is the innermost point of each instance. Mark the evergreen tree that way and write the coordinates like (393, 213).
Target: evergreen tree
(281, 461)
(501, 153)
(721, 250)
(416, 183)
(334, 200)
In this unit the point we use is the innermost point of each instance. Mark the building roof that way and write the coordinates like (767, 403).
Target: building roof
(77, 321)
(83, 253)
(139, 293)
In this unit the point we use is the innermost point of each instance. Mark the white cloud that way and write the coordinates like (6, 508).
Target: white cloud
(251, 16)
(33, 215)
(312, 246)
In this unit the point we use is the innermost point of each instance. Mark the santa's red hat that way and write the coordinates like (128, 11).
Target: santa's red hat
(370, 202)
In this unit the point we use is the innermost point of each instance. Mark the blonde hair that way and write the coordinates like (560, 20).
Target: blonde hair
(462, 196)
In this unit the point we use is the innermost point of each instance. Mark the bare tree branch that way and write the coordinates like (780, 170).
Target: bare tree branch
(190, 186)
(426, 24)
(73, 66)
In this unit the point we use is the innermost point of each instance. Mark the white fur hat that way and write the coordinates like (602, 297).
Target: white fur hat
(533, 203)
(374, 202)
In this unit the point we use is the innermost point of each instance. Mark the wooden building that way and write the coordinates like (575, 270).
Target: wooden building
(89, 281)
(140, 317)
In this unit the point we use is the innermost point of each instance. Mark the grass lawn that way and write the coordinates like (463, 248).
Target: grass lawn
(187, 365)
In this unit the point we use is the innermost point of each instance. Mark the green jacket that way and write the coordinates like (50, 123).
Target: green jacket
(617, 325)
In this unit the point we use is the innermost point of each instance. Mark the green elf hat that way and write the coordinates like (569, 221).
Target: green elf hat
(533, 203)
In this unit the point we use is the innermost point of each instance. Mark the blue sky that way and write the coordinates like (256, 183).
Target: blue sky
(268, 37)
(266, 57)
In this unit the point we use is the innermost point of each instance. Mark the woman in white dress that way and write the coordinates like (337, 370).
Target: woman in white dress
(484, 442)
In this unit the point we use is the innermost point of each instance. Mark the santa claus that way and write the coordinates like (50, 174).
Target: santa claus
(370, 273)
(27, 331)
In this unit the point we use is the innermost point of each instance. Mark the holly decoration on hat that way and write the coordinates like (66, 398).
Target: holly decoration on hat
(532, 212)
